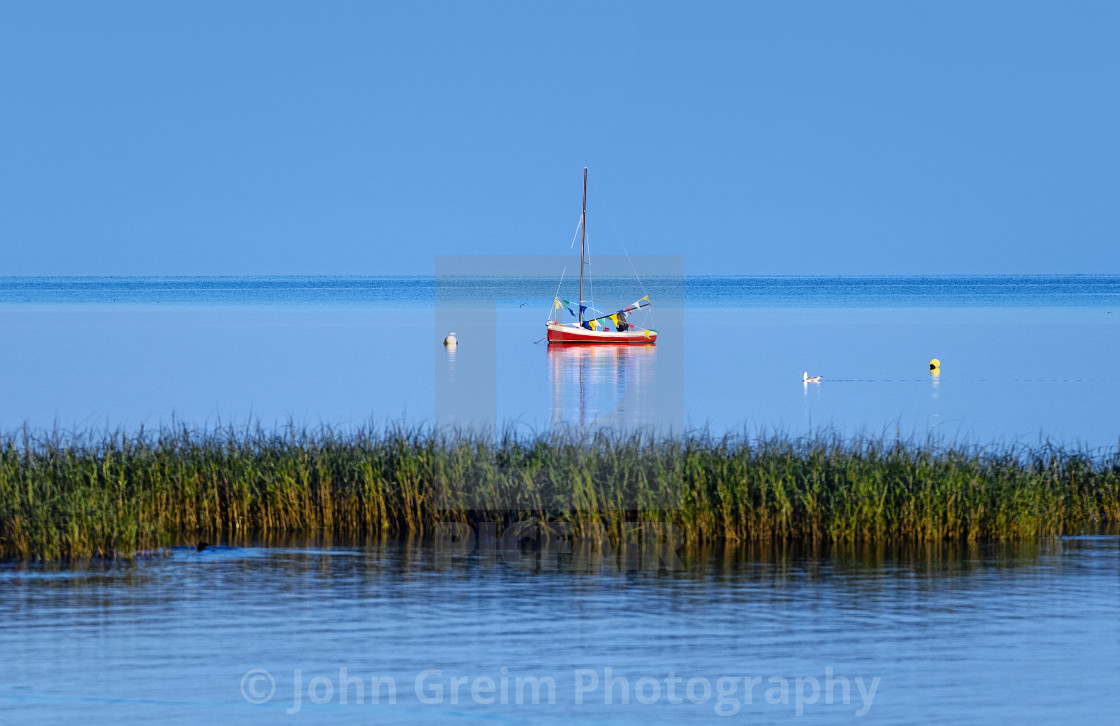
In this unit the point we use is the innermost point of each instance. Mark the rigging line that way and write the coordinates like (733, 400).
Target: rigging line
(552, 309)
(601, 317)
(590, 281)
(576, 235)
(599, 198)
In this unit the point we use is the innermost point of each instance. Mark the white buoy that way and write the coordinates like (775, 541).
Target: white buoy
(806, 378)
(450, 340)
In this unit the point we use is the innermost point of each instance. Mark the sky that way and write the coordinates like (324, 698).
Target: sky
(211, 138)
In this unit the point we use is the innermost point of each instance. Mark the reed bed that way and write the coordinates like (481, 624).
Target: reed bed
(116, 494)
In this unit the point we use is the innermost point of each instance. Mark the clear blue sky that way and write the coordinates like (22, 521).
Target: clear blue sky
(367, 137)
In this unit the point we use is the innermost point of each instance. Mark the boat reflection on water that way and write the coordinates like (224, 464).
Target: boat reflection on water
(602, 385)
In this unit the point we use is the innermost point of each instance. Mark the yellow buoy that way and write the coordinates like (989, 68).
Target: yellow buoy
(450, 341)
(934, 364)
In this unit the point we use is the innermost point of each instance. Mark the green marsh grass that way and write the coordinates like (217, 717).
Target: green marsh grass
(117, 495)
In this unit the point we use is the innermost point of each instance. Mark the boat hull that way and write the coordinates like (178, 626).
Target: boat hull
(563, 334)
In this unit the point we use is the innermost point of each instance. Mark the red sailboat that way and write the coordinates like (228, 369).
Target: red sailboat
(591, 326)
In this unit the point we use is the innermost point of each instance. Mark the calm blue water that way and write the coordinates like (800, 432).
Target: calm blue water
(698, 291)
(988, 634)
(251, 634)
(1024, 358)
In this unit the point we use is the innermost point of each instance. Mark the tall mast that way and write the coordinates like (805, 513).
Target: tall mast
(582, 244)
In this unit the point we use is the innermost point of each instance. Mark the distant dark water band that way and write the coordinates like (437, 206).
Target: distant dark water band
(692, 291)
